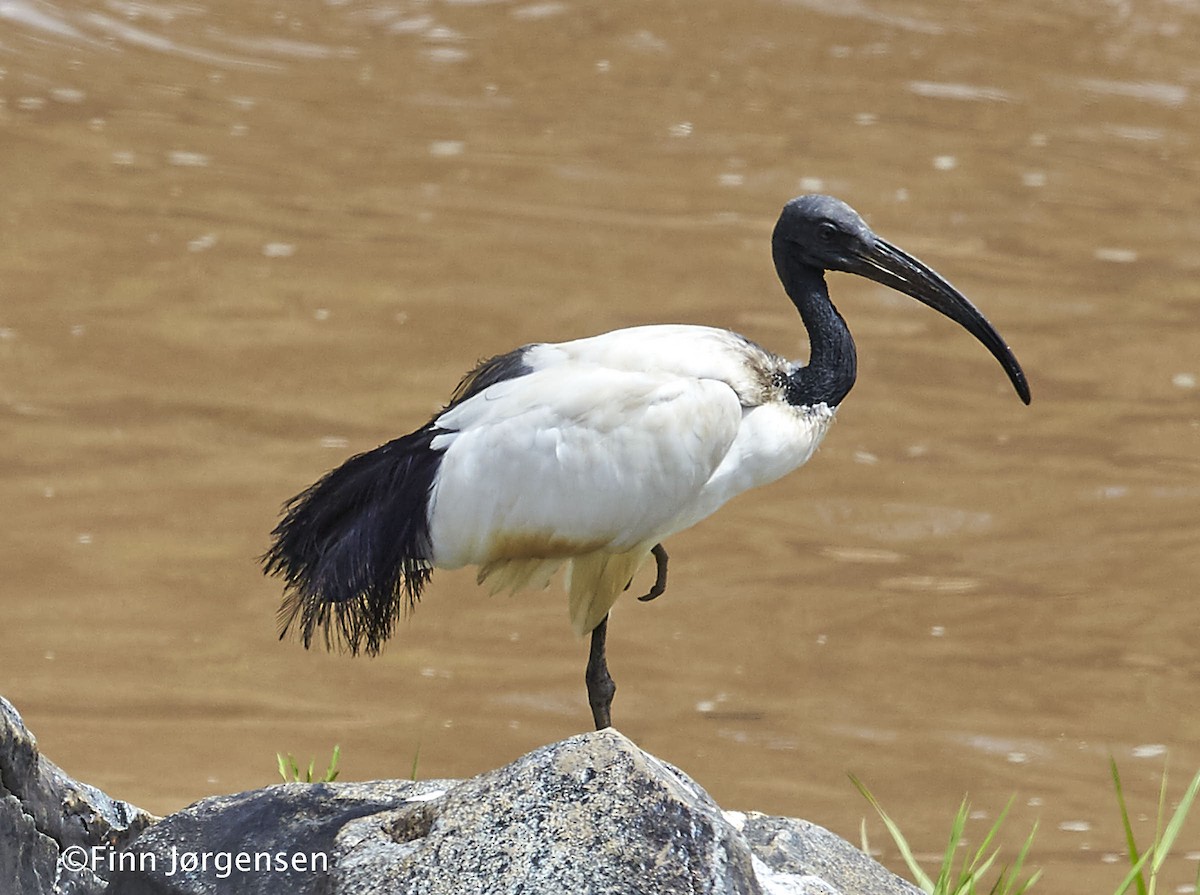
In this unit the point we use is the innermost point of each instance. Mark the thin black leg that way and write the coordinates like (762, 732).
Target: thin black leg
(600, 685)
(660, 576)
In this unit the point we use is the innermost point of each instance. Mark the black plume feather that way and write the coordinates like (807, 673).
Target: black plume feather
(354, 549)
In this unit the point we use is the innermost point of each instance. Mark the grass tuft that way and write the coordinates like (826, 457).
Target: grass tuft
(291, 772)
(1164, 836)
(967, 879)
(971, 867)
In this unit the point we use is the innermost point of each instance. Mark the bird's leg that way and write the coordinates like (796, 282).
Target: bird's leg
(600, 685)
(660, 577)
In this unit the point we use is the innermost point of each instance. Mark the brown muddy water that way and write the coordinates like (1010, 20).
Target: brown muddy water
(241, 241)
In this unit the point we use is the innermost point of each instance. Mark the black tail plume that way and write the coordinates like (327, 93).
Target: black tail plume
(353, 549)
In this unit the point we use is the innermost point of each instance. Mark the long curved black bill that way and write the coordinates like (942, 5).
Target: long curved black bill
(886, 264)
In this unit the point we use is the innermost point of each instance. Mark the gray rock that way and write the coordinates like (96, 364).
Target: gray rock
(591, 814)
(789, 847)
(283, 835)
(56, 834)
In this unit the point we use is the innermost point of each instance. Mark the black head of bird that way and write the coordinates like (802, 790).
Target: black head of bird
(816, 233)
(588, 454)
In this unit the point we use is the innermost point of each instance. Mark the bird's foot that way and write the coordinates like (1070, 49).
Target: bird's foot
(660, 578)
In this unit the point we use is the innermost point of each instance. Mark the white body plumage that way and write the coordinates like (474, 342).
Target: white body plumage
(602, 448)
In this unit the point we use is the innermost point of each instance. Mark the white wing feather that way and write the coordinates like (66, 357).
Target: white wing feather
(608, 446)
(562, 462)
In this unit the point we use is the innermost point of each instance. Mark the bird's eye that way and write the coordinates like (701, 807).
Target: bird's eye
(827, 231)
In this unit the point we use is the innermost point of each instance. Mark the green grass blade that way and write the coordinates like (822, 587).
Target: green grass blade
(1164, 845)
(1029, 883)
(1013, 873)
(971, 873)
(947, 868)
(416, 761)
(331, 772)
(282, 767)
(978, 865)
(1135, 873)
(920, 876)
(1135, 859)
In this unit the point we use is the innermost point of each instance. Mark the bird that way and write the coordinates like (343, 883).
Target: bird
(586, 455)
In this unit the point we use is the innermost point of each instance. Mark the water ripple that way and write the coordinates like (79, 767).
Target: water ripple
(1159, 93)
(968, 92)
(856, 9)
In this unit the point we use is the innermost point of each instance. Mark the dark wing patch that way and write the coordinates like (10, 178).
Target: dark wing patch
(489, 372)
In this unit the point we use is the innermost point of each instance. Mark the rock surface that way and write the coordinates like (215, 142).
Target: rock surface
(54, 831)
(591, 814)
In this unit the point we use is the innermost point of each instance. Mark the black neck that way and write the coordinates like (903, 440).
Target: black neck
(832, 363)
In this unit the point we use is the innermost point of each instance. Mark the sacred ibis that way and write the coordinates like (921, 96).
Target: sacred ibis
(588, 454)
